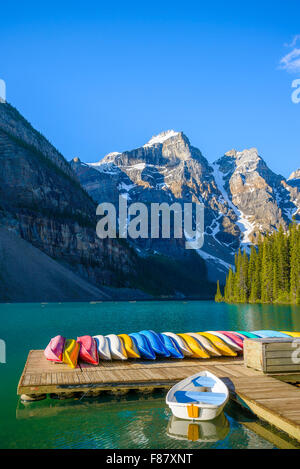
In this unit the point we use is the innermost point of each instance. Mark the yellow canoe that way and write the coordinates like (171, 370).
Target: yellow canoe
(219, 343)
(292, 334)
(132, 351)
(206, 344)
(71, 353)
(194, 345)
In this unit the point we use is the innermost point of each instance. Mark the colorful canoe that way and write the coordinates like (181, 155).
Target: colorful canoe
(88, 350)
(116, 347)
(291, 334)
(71, 352)
(55, 348)
(181, 344)
(194, 345)
(156, 343)
(268, 334)
(171, 346)
(235, 338)
(219, 344)
(143, 346)
(206, 344)
(103, 347)
(227, 340)
(238, 334)
(130, 347)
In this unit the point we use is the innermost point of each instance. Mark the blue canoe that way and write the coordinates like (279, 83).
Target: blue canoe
(171, 346)
(269, 334)
(143, 345)
(156, 343)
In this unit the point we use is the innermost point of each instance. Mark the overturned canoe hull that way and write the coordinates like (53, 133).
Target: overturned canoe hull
(103, 347)
(116, 347)
(71, 353)
(130, 347)
(55, 348)
(143, 346)
(88, 350)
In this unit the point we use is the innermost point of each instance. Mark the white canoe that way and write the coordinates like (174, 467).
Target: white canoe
(227, 341)
(182, 345)
(199, 397)
(206, 344)
(213, 430)
(103, 347)
(116, 347)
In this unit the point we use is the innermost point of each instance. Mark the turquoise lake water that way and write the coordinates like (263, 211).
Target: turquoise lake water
(132, 421)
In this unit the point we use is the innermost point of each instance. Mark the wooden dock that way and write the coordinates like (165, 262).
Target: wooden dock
(272, 400)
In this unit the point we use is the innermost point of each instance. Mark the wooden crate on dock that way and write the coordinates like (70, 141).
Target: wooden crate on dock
(274, 355)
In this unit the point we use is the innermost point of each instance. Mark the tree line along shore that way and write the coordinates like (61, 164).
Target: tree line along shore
(269, 274)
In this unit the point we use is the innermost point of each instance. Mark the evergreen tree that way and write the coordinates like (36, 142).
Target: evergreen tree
(219, 296)
(271, 273)
(253, 276)
(267, 271)
(295, 264)
(238, 277)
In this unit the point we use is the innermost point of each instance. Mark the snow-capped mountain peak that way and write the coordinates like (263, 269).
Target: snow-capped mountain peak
(295, 175)
(241, 195)
(161, 138)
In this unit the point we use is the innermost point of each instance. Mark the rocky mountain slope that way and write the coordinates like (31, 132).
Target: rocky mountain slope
(44, 206)
(42, 201)
(294, 179)
(28, 274)
(241, 195)
(261, 199)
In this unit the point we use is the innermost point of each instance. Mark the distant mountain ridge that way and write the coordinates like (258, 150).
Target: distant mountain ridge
(241, 195)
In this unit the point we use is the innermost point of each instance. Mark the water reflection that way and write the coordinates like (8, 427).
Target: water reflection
(209, 431)
(130, 421)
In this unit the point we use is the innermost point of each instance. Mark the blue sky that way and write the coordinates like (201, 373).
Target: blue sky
(96, 78)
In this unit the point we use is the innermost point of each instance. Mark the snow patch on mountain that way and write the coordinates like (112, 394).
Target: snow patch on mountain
(107, 168)
(126, 187)
(220, 264)
(243, 223)
(161, 138)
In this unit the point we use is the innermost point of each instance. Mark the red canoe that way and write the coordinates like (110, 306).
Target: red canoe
(236, 338)
(88, 349)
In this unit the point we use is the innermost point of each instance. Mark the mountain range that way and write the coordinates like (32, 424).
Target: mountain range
(49, 250)
(242, 197)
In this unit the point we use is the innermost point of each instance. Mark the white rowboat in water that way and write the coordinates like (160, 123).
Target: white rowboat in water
(199, 397)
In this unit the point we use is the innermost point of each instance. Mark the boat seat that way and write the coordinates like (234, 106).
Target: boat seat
(204, 381)
(192, 397)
